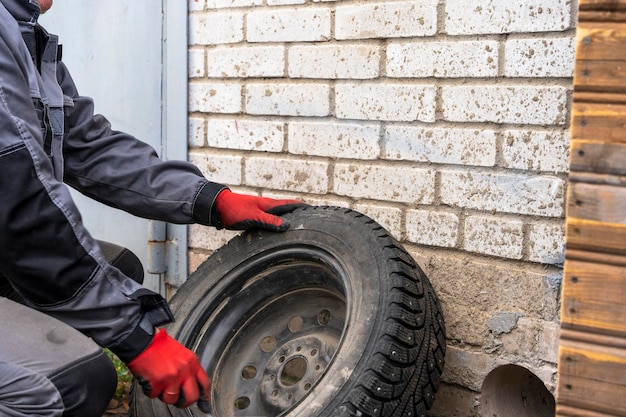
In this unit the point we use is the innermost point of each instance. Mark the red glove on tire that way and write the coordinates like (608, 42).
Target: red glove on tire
(240, 211)
(168, 370)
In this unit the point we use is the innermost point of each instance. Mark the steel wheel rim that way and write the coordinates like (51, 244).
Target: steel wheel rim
(280, 342)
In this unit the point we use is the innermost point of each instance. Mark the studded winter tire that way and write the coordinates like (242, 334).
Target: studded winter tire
(331, 318)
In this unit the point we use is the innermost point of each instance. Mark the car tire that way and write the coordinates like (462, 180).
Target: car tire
(332, 318)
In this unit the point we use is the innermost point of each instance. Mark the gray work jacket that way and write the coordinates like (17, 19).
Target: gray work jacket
(49, 137)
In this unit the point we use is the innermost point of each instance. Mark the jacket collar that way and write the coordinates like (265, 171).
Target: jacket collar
(26, 11)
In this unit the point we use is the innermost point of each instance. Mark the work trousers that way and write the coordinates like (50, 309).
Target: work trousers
(49, 369)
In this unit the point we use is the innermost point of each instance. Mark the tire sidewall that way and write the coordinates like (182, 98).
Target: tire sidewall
(355, 250)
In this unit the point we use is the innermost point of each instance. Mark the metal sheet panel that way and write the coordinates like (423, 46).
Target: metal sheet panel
(115, 52)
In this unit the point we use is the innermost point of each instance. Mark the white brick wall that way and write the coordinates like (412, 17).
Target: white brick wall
(511, 104)
(386, 19)
(390, 101)
(452, 59)
(254, 61)
(467, 17)
(505, 193)
(444, 120)
(351, 61)
(287, 99)
(494, 236)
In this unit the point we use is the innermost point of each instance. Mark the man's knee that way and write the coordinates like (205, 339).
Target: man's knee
(82, 388)
(86, 385)
(47, 366)
(123, 259)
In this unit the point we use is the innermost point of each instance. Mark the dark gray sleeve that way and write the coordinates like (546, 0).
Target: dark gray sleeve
(119, 170)
(45, 252)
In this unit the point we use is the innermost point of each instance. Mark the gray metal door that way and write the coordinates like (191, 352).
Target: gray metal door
(117, 54)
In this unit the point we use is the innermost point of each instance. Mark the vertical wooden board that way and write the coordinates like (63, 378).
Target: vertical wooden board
(603, 203)
(599, 122)
(599, 157)
(593, 297)
(592, 353)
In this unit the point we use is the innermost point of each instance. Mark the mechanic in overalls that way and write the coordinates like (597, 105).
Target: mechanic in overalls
(62, 294)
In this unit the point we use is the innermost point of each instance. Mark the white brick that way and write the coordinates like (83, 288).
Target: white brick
(439, 145)
(388, 217)
(289, 25)
(196, 5)
(386, 20)
(209, 238)
(287, 174)
(443, 59)
(506, 193)
(222, 4)
(536, 150)
(505, 104)
(215, 97)
(465, 17)
(284, 2)
(334, 61)
(392, 101)
(494, 236)
(338, 140)
(435, 228)
(257, 61)
(325, 200)
(390, 182)
(540, 57)
(197, 67)
(197, 132)
(215, 28)
(218, 168)
(546, 243)
(257, 135)
(287, 99)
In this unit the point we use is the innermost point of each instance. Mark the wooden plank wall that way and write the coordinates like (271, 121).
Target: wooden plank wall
(592, 353)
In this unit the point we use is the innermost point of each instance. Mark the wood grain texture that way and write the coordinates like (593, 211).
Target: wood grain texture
(593, 298)
(592, 351)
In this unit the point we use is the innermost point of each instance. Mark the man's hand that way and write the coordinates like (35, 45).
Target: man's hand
(240, 212)
(170, 371)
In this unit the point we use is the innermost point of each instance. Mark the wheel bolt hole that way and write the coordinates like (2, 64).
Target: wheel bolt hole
(248, 372)
(323, 317)
(317, 368)
(268, 344)
(242, 403)
(293, 371)
(299, 348)
(275, 393)
(281, 359)
(313, 352)
(307, 386)
(295, 324)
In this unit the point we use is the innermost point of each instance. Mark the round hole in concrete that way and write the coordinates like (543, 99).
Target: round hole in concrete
(513, 390)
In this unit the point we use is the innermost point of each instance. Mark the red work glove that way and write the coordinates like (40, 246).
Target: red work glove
(170, 371)
(240, 212)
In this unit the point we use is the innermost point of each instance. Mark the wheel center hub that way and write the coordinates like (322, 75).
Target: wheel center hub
(292, 370)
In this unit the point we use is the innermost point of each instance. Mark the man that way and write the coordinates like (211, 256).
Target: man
(66, 284)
